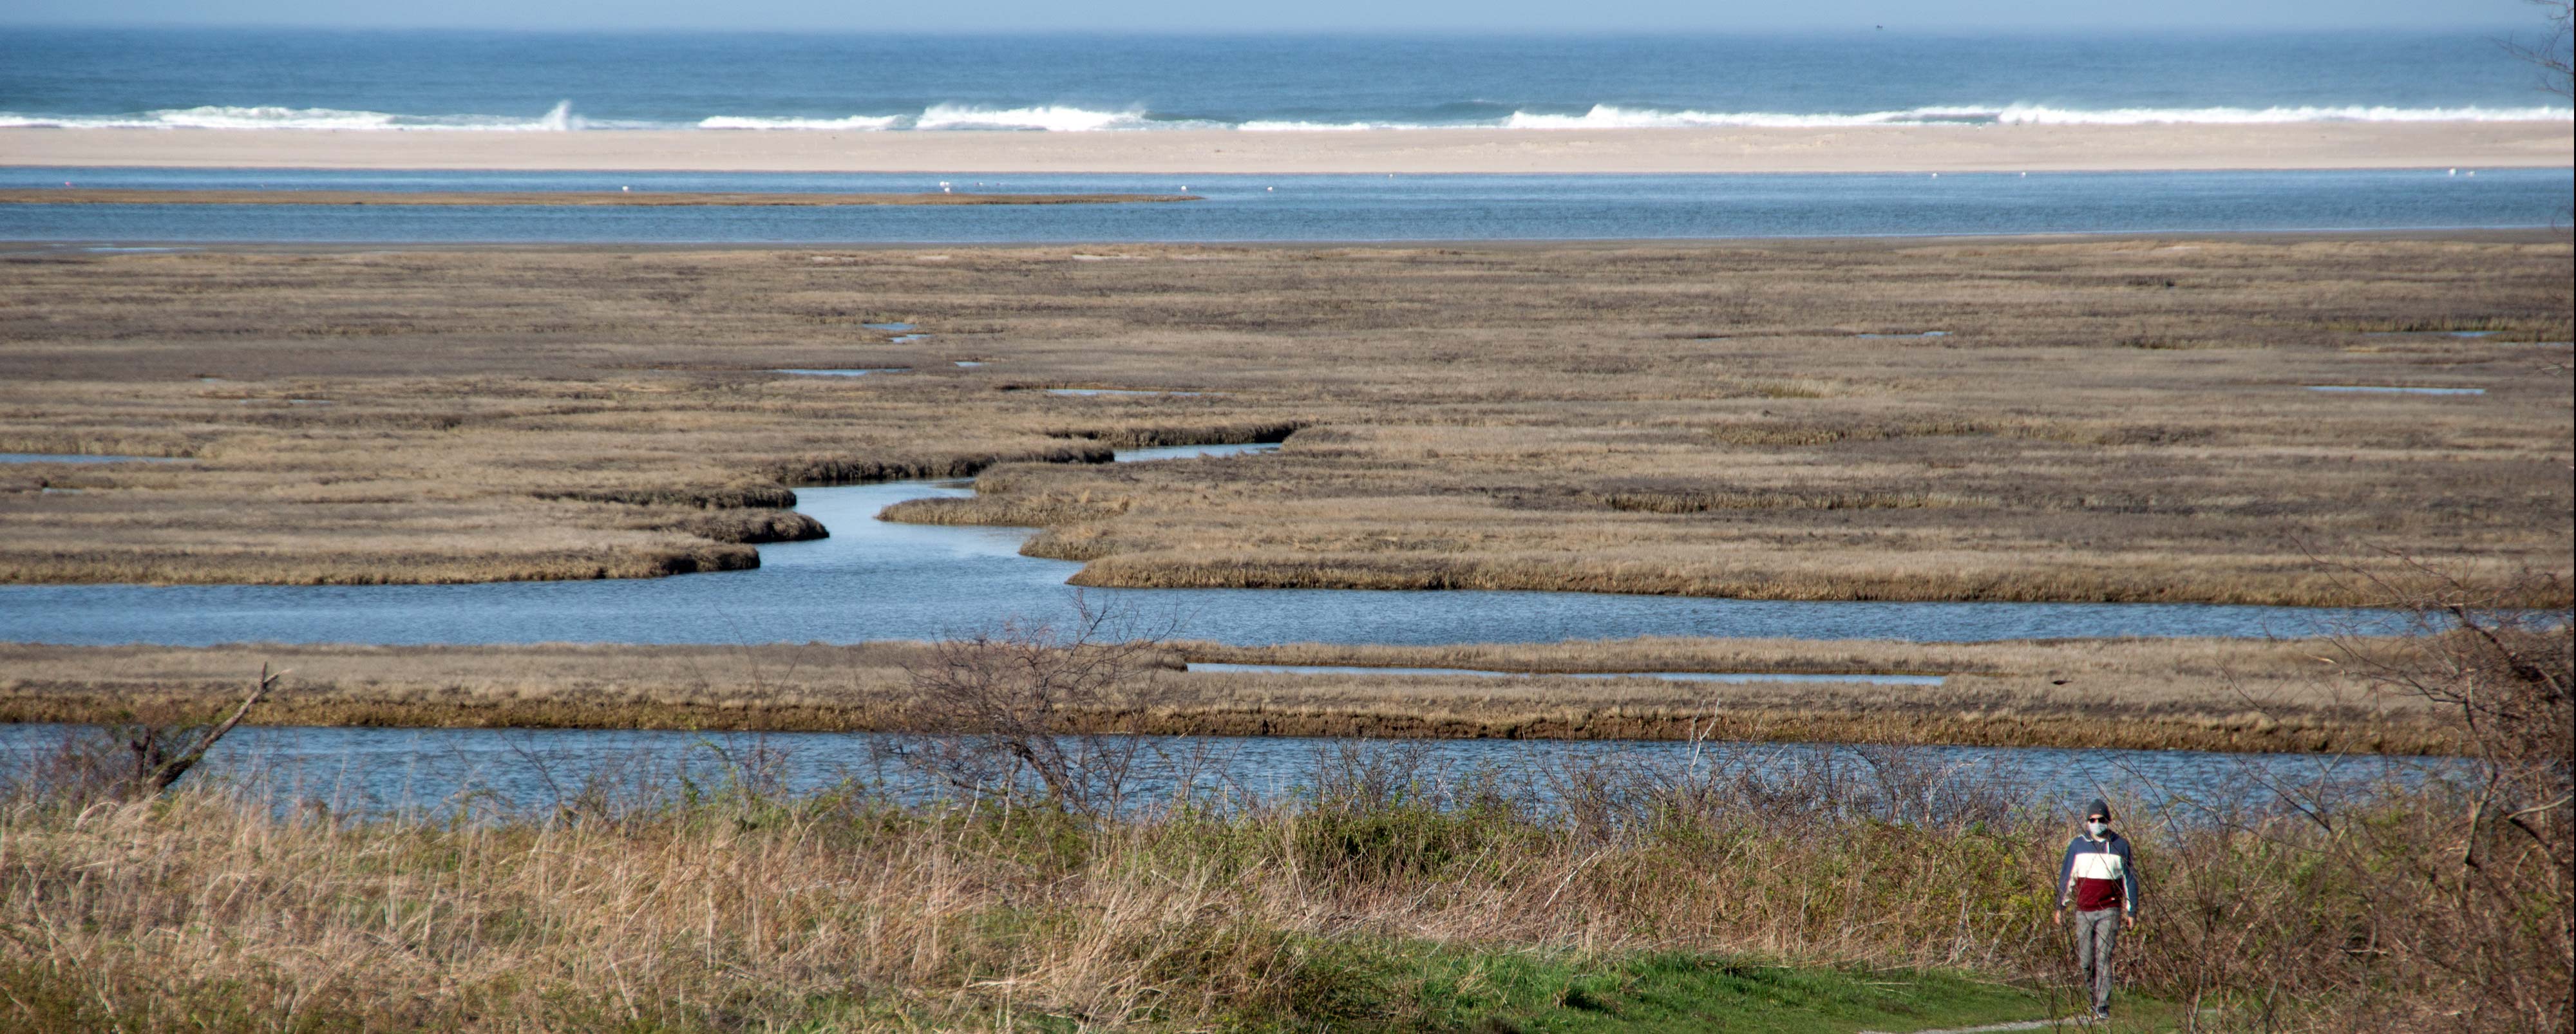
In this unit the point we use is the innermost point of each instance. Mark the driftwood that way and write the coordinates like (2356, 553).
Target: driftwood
(156, 766)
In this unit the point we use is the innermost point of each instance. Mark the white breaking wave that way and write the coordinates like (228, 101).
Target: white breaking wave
(867, 123)
(1604, 116)
(1052, 118)
(559, 119)
(1069, 119)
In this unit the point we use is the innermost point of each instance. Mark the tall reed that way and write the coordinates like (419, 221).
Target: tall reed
(729, 904)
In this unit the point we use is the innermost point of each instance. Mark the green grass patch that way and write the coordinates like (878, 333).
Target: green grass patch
(1407, 986)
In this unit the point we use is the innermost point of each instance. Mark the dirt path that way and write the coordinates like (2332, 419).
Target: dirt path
(2023, 1025)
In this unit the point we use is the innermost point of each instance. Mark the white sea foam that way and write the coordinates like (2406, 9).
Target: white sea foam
(866, 123)
(1605, 116)
(211, 117)
(1066, 118)
(560, 119)
(1052, 117)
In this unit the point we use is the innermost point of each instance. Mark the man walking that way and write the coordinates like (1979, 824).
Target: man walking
(2101, 880)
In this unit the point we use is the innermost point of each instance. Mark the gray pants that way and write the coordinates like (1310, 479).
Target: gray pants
(2096, 933)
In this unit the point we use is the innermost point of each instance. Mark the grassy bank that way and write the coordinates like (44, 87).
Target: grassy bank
(1392, 901)
(2236, 695)
(1020, 874)
(801, 921)
(2101, 419)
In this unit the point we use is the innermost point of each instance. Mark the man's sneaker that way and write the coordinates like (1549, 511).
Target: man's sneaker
(2101, 1015)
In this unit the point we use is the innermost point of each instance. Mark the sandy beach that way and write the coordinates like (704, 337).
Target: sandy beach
(2315, 145)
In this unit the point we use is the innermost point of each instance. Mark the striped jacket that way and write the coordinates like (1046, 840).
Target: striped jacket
(2098, 874)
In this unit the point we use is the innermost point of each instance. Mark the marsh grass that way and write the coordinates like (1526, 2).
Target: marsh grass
(1389, 893)
(1392, 896)
(1514, 417)
(2234, 695)
(842, 916)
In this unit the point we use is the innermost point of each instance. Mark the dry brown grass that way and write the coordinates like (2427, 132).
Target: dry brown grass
(2197, 694)
(1399, 896)
(206, 913)
(2107, 419)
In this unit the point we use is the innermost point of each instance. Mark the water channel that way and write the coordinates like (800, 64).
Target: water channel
(1371, 207)
(877, 580)
(383, 770)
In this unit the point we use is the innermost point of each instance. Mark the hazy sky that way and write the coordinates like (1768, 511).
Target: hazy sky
(1299, 15)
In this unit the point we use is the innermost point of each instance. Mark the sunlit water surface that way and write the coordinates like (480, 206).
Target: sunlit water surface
(874, 579)
(444, 770)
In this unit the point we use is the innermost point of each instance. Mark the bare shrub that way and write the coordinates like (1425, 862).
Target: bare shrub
(2467, 899)
(1775, 789)
(1362, 775)
(1028, 714)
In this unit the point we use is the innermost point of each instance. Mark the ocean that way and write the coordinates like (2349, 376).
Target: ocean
(242, 78)
(214, 80)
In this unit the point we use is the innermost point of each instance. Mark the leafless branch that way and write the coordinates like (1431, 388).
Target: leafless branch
(156, 767)
(2551, 55)
(1029, 714)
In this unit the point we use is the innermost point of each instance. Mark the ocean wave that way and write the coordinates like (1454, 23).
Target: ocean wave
(559, 119)
(1052, 118)
(1072, 119)
(1605, 116)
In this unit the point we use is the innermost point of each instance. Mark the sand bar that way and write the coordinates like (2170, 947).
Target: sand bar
(2313, 145)
(583, 198)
